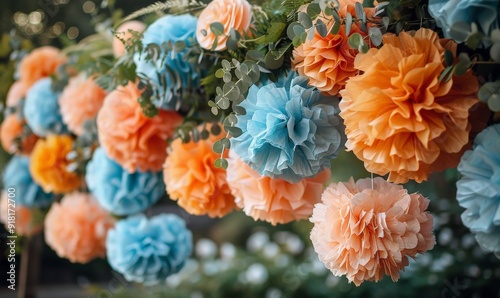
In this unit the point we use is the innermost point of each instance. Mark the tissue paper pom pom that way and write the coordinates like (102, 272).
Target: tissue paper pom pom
(41, 109)
(27, 222)
(16, 92)
(328, 61)
(132, 139)
(148, 250)
(17, 176)
(479, 189)
(76, 228)
(119, 191)
(169, 28)
(290, 131)
(400, 118)
(193, 180)
(123, 33)
(273, 200)
(49, 165)
(232, 14)
(40, 63)
(364, 233)
(80, 101)
(484, 13)
(13, 138)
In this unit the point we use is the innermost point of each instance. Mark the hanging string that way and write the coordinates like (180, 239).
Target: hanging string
(371, 174)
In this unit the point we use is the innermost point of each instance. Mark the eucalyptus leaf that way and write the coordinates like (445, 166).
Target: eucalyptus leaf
(335, 28)
(487, 90)
(217, 28)
(321, 28)
(494, 102)
(305, 20)
(375, 36)
(219, 73)
(215, 129)
(313, 10)
(386, 22)
(359, 10)
(348, 24)
(460, 31)
(355, 40)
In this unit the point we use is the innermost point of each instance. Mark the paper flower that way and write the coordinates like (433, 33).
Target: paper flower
(328, 61)
(13, 137)
(148, 250)
(119, 191)
(273, 200)
(17, 176)
(290, 131)
(123, 33)
(484, 13)
(16, 92)
(193, 180)
(177, 71)
(80, 101)
(41, 109)
(40, 63)
(232, 14)
(400, 119)
(364, 232)
(132, 139)
(76, 228)
(478, 191)
(25, 221)
(49, 165)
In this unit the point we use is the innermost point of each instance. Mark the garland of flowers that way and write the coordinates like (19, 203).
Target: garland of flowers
(230, 105)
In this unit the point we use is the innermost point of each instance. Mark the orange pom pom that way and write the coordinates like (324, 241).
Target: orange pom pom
(48, 165)
(193, 180)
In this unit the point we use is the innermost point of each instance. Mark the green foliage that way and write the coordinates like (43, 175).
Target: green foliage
(184, 5)
(490, 93)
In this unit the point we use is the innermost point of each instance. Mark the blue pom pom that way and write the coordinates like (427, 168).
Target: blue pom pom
(174, 68)
(28, 193)
(479, 189)
(290, 130)
(149, 250)
(41, 109)
(121, 192)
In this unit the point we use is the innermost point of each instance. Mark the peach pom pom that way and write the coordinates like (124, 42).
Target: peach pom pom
(77, 228)
(16, 92)
(80, 101)
(193, 180)
(123, 33)
(40, 63)
(364, 232)
(273, 200)
(132, 139)
(232, 14)
(26, 222)
(48, 165)
(12, 137)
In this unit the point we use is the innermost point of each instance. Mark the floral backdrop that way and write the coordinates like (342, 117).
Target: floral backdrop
(337, 147)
